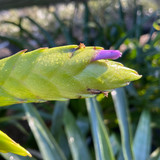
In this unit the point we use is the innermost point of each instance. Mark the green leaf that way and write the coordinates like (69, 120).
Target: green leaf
(121, 107)
(156, 25)
(57, 116)
(133, 30)
(11, 118)
(47, 35)
(47, 144)
(86, 22)
(11, 156)
(115, 144)
(121, 14)
(101, 140)
(64, 29)
(20, 43)
(19, 126)
(76, 141)
(142, 139)
(120, 155)
(57, 126)
(23, 30)
(8, 145)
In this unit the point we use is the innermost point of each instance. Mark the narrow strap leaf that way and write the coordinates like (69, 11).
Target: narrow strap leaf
(103, 149)
(47, 144)
(77, 143)
(121, 107)
(142, 139)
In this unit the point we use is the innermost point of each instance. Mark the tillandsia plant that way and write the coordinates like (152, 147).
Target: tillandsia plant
(61, 73)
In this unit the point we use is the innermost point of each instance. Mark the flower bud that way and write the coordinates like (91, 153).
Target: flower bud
(61, 73)
(107, 54)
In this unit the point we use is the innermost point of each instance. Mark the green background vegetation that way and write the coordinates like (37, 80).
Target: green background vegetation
(126, 125)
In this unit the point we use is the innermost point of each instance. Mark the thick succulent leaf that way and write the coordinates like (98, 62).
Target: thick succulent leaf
(115, 144)
(101, 140)
(142, 139)
(60, 73)
(121, 107)
(120, 155)
(8, 145)
(47, 144)
(57, 117)
(76, 141)
(57, 127)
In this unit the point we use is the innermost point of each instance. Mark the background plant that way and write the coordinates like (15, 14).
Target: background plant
(73, 119)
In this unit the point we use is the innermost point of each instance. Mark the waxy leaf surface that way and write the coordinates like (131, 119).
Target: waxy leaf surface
(60, 73)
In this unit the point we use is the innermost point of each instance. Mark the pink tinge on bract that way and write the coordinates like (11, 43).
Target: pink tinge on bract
(107, 54)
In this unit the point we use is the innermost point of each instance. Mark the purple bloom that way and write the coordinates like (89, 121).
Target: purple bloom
(107, 54)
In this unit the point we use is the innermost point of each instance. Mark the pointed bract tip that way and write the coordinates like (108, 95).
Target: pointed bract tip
(28, 154)
(107, 54)
(23, 51)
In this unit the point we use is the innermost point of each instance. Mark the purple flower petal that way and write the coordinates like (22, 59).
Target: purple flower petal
(107, 54)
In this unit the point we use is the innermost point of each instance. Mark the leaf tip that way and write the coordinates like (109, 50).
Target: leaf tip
(23, 51)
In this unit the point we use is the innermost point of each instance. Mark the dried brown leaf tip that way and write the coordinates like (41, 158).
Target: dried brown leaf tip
(81, 46)
(96, 91)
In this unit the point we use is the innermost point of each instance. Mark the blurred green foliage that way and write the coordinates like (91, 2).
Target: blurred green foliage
(131, 115)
